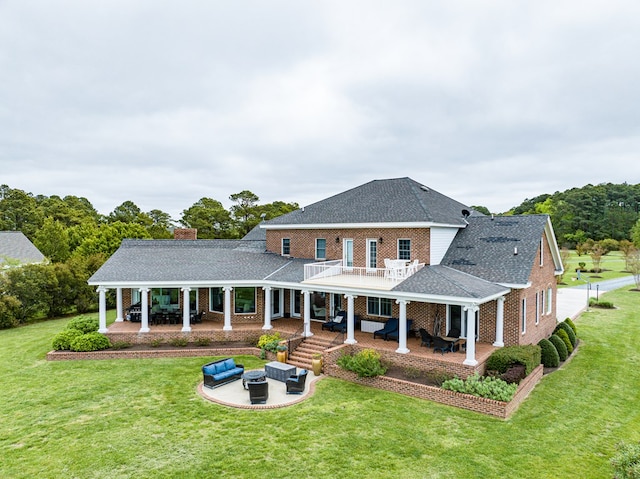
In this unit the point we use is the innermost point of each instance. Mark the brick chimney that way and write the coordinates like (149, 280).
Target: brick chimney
(185, 233)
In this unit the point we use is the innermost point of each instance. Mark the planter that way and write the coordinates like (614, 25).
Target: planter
(281, 356)
(316, 366)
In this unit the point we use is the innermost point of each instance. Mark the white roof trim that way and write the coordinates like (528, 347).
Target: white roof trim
(324, 226)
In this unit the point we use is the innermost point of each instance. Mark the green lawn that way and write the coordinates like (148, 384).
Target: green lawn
(612, 264)
(144, 418)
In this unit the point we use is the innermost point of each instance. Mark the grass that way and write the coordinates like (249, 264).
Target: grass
(612, 265)
(144, 418)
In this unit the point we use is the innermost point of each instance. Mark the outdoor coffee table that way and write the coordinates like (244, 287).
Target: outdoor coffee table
(250, 376)
(279, 371)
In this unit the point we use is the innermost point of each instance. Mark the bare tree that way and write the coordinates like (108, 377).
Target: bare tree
(597, 252)
(564, 257)
(627, 249)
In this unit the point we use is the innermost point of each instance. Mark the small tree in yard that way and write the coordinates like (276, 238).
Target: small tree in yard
(627, 249)
(596, 253)
(634, 267)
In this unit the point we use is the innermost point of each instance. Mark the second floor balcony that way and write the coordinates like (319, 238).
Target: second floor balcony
(335, 273)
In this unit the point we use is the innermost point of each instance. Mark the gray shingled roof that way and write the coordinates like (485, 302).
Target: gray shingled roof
(14, 245)
(397, 200)
(187, 260)
(486, 247)
(443, 281)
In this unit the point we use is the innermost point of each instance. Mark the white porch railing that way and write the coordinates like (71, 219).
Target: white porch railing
(335, 272)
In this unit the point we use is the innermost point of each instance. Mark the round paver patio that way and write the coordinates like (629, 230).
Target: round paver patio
(234, 395)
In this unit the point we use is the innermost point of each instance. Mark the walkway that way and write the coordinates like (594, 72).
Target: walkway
(571, 302)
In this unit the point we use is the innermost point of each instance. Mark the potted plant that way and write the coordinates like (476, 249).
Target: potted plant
(281, 352)
(316, 363)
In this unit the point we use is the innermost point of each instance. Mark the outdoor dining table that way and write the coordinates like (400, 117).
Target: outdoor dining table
(456, 343)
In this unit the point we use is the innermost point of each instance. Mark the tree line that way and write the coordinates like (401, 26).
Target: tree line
(77, 240)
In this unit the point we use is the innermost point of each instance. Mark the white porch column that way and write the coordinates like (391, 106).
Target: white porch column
(307, 314)
(227, 308)
(471, 335)
(267, 308)
(351, 337)
(119, 317)
(186, 312)
(500, 323)
(402, 329)
(144, 310)
(102, 315)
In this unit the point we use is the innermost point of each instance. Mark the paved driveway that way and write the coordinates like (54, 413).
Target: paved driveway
(573, 301)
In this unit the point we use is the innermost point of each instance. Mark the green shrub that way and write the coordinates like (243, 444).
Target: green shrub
(560, 346)
(626, 463)
(486, 387)
(83, 324)
(179, 342)
(570, 332)
(90, 342)
(155, 343)
(365, 364)
(562, 334)
(62, 340)
(269, 342)
(571, 325)
(549, 354)
(120, 345)
(501, 359)
(9, 310)
(203, 341)
(594, 303)
(411, 372)
(438, 376)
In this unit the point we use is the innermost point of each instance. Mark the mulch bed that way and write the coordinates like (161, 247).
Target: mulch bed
(171, 347)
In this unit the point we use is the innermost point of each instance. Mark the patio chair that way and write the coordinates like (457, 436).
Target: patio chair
(441, 345)
(394, 335)
(339, 319)
(427, 339)
(342, 327)
(454, 333)
(390, 326)
(296, 384)
(258, 391)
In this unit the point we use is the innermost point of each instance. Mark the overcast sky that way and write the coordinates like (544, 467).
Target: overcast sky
(164, 103)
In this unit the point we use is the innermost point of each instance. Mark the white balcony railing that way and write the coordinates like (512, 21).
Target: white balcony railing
(335, 272)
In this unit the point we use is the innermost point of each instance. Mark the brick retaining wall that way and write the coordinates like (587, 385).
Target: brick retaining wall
(159, 353)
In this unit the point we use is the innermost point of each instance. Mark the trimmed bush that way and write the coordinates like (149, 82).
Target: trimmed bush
(9, 310)
(560, 346)
(501, 359)
(549, 354)
(90, 342)
(486, 387)
(269, 342)
(62, 340)
(571, 325)
(365, 364)
(626, 463)
(562, 334)
(570, 333)
(594, 303)
(83, 324)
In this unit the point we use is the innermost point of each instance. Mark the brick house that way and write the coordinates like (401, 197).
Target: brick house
(386, 249)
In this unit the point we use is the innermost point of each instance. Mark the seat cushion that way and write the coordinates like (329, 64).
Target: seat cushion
(229, 364)
(209, 369)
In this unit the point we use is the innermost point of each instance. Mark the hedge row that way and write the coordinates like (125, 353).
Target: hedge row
(81, 335)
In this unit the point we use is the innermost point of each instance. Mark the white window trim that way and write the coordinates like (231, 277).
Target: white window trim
(282, 247)
(398, 247)
(379, 308)
(292, 304)
(542, 251)
(538, 308)
(371, 241)
(523, 317)
(325, 249)
(549, 300)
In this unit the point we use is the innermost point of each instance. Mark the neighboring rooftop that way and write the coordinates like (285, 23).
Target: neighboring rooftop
(15, 246)
(399, 200)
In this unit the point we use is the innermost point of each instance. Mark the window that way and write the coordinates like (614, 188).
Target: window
(165, 299)
(523, 326)
(321, 248)
(543, 302)
(379, 307)
(245, 300)
(538, 307)
(549, 300)
(404, 249)
(216, 300)
(296, 301)
(286, 246)
(541, 251)
(372, 253)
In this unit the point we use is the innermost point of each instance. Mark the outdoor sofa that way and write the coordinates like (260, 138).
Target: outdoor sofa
(221, 372)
